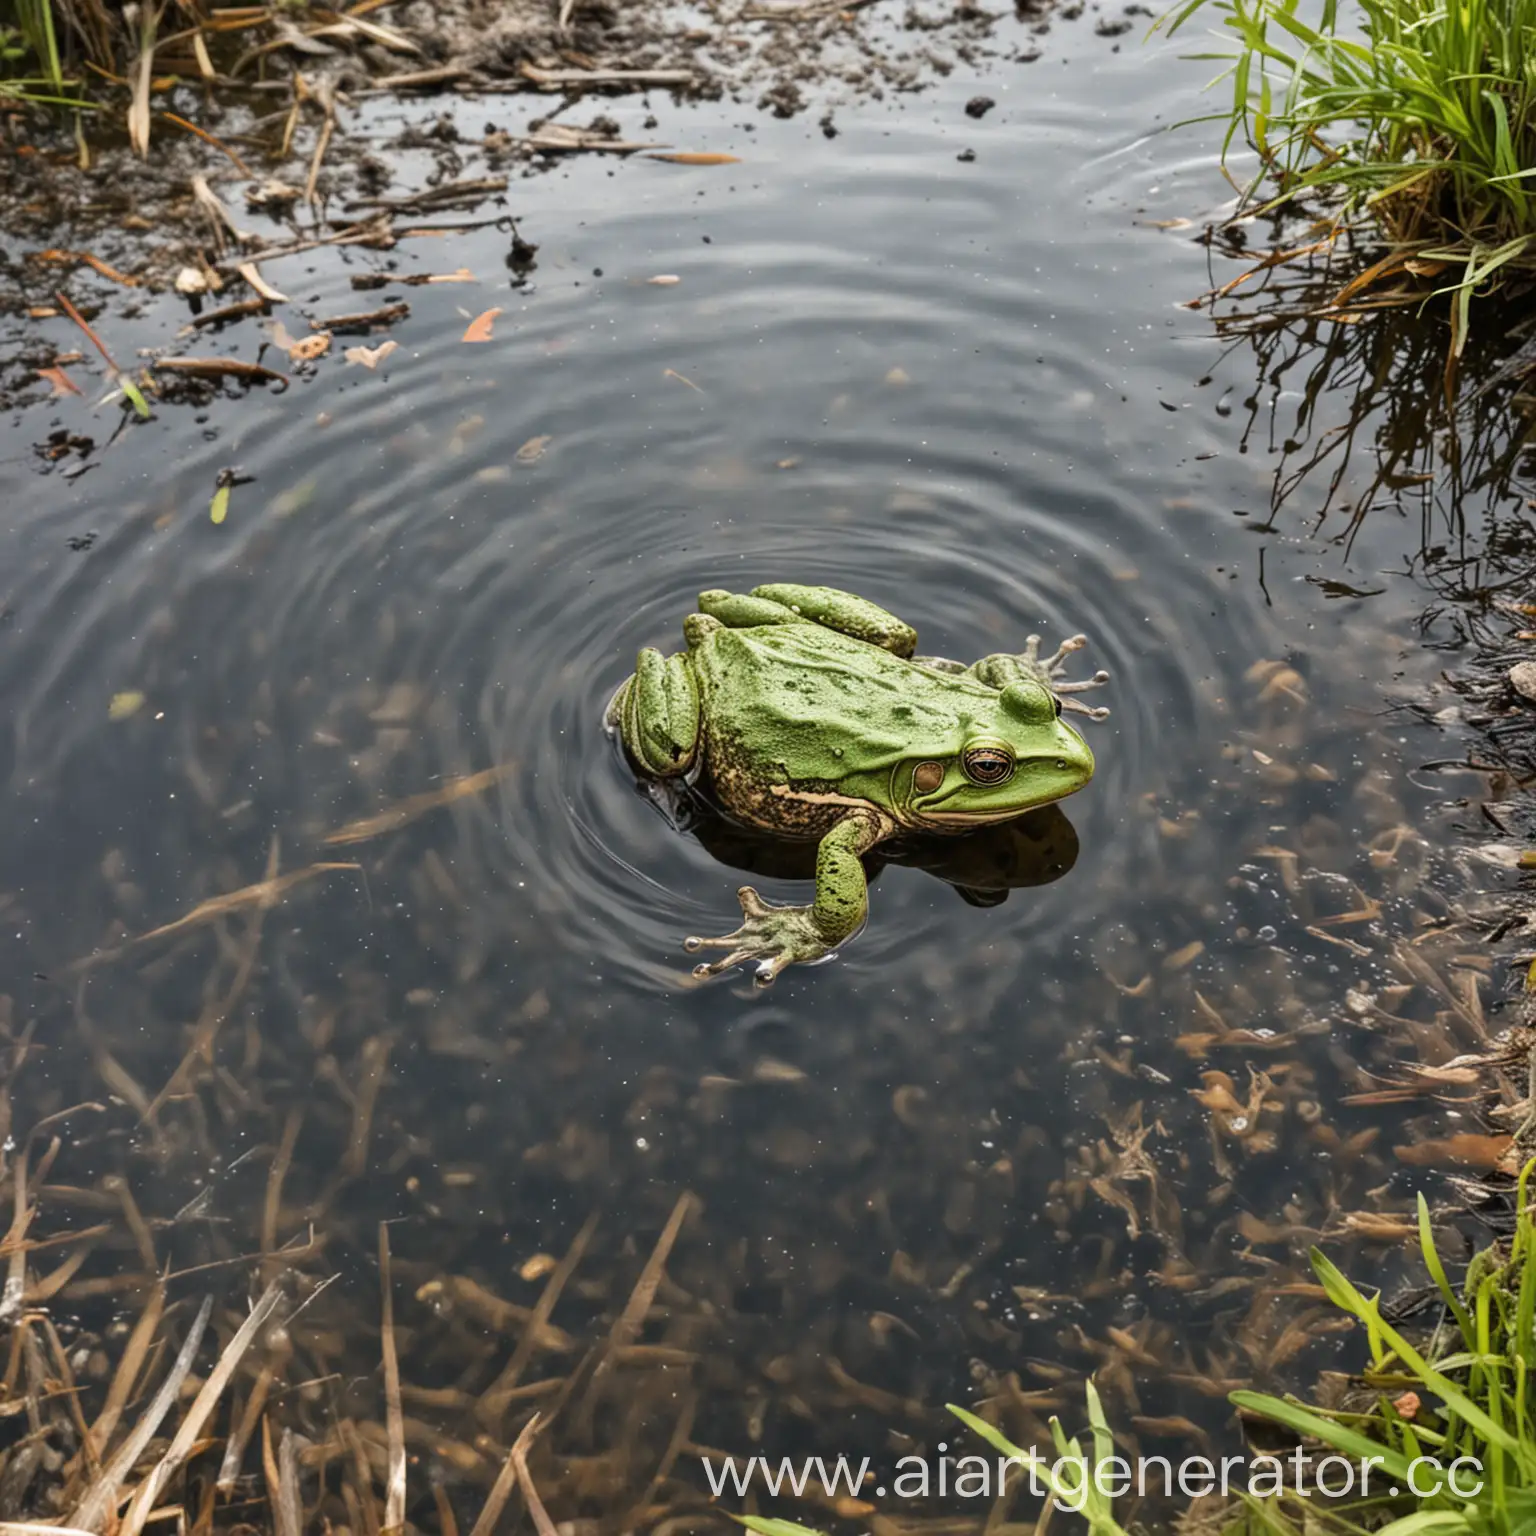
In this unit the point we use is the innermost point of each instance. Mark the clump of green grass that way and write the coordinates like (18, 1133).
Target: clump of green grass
(1466, 1401)
(1480, 1370)
(1417, 116)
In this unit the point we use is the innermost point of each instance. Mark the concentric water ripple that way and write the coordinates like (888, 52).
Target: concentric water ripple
(939, 390)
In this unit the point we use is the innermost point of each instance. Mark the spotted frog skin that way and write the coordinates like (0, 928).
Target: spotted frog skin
(812, 718)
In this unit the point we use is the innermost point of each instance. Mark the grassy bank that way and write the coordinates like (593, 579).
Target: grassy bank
(1411, 120)
(1448, 1425)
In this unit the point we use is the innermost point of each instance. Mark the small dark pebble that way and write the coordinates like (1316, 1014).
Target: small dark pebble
(597, 271)
(1114, 26)
(966, 156)
(979, 106)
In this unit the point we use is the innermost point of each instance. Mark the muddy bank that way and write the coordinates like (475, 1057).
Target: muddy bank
(263, 131)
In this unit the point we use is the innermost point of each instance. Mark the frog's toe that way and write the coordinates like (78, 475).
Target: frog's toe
(774, 937)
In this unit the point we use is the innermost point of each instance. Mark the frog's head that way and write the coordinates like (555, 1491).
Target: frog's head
(1020, 755)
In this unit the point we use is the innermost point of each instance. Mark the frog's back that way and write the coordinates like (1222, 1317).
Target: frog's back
(806, 704)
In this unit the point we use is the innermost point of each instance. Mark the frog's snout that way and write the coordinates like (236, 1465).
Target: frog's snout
(1074, 755)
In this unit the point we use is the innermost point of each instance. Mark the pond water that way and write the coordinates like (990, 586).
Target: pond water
(967, 388)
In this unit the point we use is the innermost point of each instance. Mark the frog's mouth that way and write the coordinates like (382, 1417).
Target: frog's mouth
(959, 806)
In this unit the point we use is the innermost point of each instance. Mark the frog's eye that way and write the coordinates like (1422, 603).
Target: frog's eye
(987, 763)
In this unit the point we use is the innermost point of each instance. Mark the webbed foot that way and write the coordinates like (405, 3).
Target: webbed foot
(1000, 670)
(773, 937)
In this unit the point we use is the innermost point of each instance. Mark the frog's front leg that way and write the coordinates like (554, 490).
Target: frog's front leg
(779, 936)
(657, 714)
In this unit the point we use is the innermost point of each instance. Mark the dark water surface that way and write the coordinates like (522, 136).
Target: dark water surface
(966, 390)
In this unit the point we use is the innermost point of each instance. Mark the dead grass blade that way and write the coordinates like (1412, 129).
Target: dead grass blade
(630, 1321)
(30, 1528)
(138, 110)
(275, 1176)
(498, 1397)
(283, 1483)
(209, 138)
(127, 1373)
(394, 1488)
(514, 1472)
(409, 809)
(95, 1509)
(149, 1491)
(262, 893)
(16, 1278)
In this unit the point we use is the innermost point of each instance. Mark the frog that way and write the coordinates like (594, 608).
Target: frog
(813, 717)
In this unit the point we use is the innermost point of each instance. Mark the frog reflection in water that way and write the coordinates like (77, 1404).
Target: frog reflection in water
(810, 717)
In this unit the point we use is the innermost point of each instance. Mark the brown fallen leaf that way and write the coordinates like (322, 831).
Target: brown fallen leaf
(479, 329)
(61, 381)
(692, 157)
(1467, 1150)
(533, 450)
(370, 357)
(310, 347)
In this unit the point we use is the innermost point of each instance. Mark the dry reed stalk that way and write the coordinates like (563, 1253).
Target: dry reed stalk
(240, 1436)
(264, 893)
(276, 1174)
(139, 1340)
(506, 1480)
(541, 1521)
(214, 1012)
(100, 1502)
(407, 811)
(282, 1473)
(633, 1316)
(16, 1276)
(375, 1058)
(498, 1396)
(394, 1488)
(133, 1218)
(197, 1415)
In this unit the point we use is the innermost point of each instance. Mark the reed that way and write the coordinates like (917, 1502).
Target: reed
(1410, 116)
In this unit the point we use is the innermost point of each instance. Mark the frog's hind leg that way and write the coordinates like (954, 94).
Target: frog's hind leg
(845, 612)
(657, 714)
(1002, 669)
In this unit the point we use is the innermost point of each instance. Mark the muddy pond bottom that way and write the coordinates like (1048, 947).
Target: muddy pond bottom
(1083, 1124)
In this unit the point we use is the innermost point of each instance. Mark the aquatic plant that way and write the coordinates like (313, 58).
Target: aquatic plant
(1478, 1368)
(1413, 118)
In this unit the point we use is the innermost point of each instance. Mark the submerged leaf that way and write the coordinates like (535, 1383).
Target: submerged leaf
(479, 329)
(125, 704)
(370, 357)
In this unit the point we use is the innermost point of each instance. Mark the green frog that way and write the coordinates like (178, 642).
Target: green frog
(812, 718)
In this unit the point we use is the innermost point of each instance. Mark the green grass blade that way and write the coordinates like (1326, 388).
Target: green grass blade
(1307, 1422)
